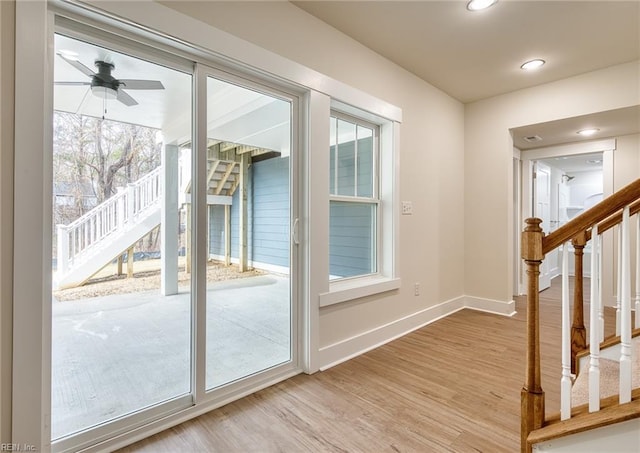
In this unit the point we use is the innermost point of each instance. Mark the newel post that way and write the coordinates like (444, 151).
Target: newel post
(578, 331)
(532, 396)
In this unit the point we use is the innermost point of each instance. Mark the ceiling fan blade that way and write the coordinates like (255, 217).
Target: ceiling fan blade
(135, 84)
(76, 64)
(125, 98)
(72, 83)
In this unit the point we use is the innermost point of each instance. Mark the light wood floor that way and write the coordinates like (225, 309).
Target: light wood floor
(452, 386)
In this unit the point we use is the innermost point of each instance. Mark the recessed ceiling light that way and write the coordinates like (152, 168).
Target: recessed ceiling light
(532, 64)
(594, 161)
(588, 132)
(477, 5)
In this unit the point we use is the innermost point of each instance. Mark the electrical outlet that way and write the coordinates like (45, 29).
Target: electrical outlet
(407, 208)
(416, 289)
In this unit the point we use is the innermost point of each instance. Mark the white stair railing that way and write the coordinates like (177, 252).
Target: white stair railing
(115, 214)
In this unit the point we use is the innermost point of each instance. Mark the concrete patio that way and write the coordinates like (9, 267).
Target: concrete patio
(116, 354)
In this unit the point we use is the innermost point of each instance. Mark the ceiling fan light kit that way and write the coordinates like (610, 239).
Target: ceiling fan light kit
(104, 85)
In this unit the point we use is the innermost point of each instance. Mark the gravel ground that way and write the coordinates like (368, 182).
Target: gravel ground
(147, 278)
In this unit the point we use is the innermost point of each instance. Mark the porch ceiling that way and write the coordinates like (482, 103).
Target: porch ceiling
(235, 114)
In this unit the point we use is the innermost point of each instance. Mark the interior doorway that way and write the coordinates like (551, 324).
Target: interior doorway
(571, 185)
(579, 176)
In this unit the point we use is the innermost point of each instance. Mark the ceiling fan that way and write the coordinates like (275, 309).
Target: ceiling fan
(105, 86)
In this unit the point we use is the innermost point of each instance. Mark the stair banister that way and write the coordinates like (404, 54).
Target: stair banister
(601, 211)
(532, 395)
(578, 330)
(535, 245)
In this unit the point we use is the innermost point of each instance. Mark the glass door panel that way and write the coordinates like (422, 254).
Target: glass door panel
(121, 315)
(249, 313)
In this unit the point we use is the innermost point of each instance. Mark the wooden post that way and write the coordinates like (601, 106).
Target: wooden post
(532, 395)
(227, 235)
(578, 331)
(119, 272)
(243, 213)
(130, 262)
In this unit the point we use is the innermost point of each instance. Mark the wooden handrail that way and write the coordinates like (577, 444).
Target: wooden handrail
(603, 210)
(615, 219)
(535, 245)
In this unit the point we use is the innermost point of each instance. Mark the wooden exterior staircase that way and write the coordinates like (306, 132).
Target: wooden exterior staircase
(227, 171)
(599, 410)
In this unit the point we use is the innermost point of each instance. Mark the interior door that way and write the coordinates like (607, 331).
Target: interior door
(542, 210)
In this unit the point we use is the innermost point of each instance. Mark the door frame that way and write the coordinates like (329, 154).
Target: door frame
(606, 146)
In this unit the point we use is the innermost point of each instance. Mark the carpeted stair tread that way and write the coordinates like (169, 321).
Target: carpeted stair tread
(609, 377)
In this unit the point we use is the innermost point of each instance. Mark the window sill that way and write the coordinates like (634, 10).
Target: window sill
(354, 289)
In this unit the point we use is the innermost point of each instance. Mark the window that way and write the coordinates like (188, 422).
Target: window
(353, 198)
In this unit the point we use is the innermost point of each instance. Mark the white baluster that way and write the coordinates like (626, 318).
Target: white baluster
(565, 383)
(637, 298)
(625, 313)
(598, 244)
(594, 336)
(619, 280)
(132, 202)
(122, 209)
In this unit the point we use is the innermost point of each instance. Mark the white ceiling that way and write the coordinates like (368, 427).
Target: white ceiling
(576, 164)
(476, 55)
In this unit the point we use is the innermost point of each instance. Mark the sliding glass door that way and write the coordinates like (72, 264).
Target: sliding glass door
(172, 260)
(121, 305)
(249, 311)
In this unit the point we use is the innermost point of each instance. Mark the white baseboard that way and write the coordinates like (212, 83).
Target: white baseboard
(491, 306)
(336, 353)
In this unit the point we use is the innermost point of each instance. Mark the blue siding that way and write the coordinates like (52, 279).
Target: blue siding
(351, 239)
(268, 211)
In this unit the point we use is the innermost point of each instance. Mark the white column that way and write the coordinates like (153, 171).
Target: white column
(565, 383)
(625, 313)
(594, 336)
(169, 222)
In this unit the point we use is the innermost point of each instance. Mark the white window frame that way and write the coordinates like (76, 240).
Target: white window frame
(357, 199)
(386, 278)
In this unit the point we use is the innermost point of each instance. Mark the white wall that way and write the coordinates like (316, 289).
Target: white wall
(584, 185)
(431, 154)
(488, 169)
(7, 9)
